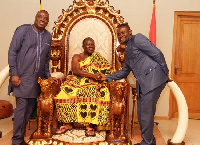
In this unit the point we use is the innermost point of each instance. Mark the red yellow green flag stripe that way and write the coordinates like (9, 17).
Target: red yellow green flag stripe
(152, 32)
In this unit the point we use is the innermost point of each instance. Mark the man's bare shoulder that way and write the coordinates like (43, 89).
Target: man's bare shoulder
(76, 57)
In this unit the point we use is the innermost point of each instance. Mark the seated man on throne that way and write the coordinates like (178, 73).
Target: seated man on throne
(83, 97)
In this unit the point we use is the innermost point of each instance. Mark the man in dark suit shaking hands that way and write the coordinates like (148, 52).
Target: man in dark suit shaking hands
(149, 67)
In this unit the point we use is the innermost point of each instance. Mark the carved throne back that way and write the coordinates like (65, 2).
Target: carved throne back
(85, 18)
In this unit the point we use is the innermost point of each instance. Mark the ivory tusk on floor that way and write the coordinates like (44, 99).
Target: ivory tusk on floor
(4, 74)
(182, 113)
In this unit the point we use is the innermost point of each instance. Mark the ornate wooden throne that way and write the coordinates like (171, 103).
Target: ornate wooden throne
(93, 18)
(98, 20)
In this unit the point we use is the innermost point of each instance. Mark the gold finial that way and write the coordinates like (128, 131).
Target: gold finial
(154, 1)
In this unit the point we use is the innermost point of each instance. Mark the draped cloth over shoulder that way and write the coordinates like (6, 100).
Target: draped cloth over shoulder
(82, 100)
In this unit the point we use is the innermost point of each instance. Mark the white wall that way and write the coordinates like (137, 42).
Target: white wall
(137, 13)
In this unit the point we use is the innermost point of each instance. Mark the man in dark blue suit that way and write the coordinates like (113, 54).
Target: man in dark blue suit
(149, 67)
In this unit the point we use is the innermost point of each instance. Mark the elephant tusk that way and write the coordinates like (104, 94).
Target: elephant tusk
(182, 113)
(4, 74)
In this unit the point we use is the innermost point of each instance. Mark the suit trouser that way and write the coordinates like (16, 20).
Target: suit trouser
(22, 113)
(146, 108)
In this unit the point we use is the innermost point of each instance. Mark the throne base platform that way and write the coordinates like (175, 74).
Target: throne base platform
(75, 137)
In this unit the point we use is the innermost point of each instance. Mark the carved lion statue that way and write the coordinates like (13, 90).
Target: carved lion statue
(45, 108)
(117, 112)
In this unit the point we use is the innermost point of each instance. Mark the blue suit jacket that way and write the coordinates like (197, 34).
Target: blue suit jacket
(146, 62)
(22, 60)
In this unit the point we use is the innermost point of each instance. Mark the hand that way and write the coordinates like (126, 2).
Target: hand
(97, 76)
(15, 80)
(103, 77)
(169, 79)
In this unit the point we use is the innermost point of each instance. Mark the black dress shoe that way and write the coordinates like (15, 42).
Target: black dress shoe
(23, 143)
(17, 144)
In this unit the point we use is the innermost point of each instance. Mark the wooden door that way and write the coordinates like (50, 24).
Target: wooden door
(186, 61)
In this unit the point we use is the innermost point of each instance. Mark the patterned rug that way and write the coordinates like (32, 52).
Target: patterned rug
(78, 136)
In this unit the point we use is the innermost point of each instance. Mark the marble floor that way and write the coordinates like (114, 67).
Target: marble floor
(6, 125)
(166, 127)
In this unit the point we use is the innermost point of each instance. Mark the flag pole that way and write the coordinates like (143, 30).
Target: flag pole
(40, 4)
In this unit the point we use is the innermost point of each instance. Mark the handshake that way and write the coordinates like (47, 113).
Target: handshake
(100, 76)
